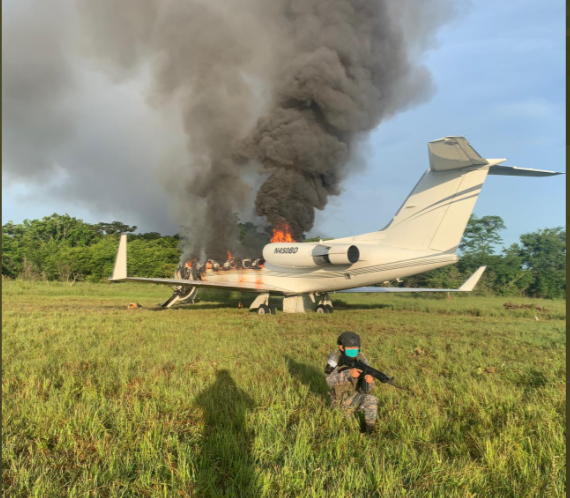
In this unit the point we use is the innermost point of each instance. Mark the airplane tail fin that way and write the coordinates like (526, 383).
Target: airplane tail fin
(435, 214)
(120, 269)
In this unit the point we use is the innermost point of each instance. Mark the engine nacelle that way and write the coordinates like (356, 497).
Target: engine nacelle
(343, 254)
(306, 255)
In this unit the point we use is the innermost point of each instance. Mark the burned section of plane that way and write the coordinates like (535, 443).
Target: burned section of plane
(280, 254)
(423, 235)
(193, 270)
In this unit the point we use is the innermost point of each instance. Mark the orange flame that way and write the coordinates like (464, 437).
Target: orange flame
(230, 255)
(282, 233)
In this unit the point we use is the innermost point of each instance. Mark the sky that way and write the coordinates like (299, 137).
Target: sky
(499, 73)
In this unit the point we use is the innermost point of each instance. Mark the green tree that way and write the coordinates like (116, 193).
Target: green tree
(146, 236)
(70, 263)
(66, 248)
(58, 229)
(153, 258)
(12, 258)
(509, 275)
(315, 239)
(102, 259)
(543, 253)
(40, 242)
(481, 235)
(446, 277)
(114, 228)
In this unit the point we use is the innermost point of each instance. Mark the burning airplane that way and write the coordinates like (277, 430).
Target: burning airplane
(423, 235)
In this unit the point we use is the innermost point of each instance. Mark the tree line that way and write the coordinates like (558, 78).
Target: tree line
(61, 247)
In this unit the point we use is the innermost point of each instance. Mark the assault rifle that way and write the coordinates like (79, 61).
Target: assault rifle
(368, 370)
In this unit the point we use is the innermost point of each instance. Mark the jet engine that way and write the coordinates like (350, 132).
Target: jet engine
(306, 255)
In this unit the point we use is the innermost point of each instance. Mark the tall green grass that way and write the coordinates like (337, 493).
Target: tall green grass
(211, 400)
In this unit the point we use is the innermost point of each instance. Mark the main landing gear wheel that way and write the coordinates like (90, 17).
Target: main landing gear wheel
(265, 310)
(321, 308)
(329, 308)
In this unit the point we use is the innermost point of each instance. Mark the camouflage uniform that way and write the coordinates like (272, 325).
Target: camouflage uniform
(346, 391)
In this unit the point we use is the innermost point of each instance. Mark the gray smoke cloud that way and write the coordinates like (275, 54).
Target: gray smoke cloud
(200, 56)
(68, 133)
(249, 105)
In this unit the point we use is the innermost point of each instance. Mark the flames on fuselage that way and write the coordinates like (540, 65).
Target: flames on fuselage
(194, 270)
(282, 233)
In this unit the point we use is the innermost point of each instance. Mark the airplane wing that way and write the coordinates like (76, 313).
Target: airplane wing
(120, 275)
(239, 286)
(467, 286)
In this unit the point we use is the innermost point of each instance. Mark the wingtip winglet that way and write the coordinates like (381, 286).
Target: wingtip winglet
(120, 268)
(472, 281)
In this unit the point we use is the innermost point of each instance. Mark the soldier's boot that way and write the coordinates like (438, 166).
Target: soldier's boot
(368, 428)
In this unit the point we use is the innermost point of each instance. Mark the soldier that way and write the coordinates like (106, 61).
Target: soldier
(348, 392)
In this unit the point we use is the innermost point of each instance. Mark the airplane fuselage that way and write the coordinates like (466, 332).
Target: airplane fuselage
(377, 264)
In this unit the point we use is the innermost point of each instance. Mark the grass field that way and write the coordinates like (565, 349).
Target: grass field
(211, 400)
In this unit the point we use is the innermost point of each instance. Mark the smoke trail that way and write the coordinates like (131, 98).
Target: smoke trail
(350, 66)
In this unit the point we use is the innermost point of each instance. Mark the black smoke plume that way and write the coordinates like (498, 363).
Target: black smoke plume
(270, 99)
(349, 67)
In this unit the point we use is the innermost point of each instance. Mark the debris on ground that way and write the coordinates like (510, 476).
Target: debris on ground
(513, 306)
(132, 306)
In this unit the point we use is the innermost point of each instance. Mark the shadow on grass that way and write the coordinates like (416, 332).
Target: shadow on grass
(207, 304)
(312, 377)
(343, 305)
(231, 302)
(225, 465)
(221, 300)
(198, 306)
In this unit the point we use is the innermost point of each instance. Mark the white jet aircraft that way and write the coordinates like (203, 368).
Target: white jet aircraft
(424, 235)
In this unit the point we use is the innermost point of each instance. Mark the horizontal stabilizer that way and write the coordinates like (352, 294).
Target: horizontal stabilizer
(516, 171)
(468, 286)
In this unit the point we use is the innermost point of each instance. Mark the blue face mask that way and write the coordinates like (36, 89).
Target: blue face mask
(351, 353)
